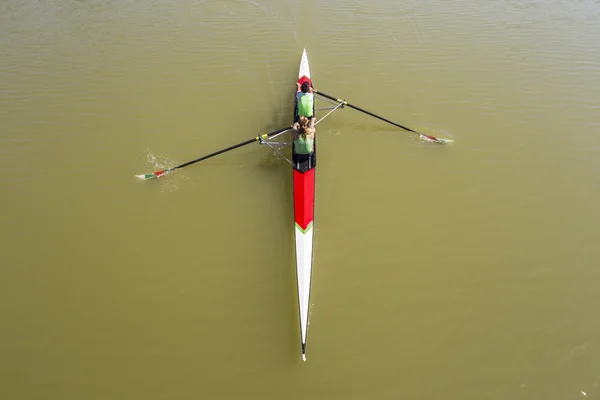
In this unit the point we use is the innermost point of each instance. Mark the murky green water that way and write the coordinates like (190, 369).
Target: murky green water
(465, 271)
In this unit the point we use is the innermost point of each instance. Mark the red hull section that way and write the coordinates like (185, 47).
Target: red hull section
(304, 79)
(304, 197)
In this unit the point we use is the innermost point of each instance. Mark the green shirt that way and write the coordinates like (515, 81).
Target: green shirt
(303, 146)
(305, 104)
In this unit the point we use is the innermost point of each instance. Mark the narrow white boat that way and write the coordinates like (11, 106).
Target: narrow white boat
(304, 208)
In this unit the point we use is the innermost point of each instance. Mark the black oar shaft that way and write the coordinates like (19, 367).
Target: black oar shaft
(235, 146)
(364, 111)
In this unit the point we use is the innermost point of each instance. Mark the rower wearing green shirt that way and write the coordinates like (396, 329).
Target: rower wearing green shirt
(303, 133)
(305, 97)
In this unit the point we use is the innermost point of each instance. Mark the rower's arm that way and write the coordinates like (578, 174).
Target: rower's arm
(295, 130)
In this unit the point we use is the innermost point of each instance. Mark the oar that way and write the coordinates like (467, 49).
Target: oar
(422, 135)
(163, 172)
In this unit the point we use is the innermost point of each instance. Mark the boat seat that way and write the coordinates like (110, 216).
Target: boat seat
(304, 162)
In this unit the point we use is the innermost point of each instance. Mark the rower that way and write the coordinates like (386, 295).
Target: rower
(305, 97)
(303, 133)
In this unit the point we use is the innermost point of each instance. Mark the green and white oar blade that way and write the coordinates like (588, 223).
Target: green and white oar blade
(145, 176)
(153, 175)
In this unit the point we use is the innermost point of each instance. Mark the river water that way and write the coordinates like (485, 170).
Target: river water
(462, 271)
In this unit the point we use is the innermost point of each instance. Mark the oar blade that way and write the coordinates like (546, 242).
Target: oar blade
(433, 139)
(153, 175)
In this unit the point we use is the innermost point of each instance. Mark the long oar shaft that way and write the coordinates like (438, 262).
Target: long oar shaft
(365, 111)
(345, 103)
(216, 153)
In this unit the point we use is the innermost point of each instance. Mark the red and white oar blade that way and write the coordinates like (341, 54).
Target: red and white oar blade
(153, 175)
(433, 139)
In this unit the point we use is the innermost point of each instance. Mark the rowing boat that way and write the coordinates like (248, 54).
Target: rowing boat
(303, 167)
(304, 210)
